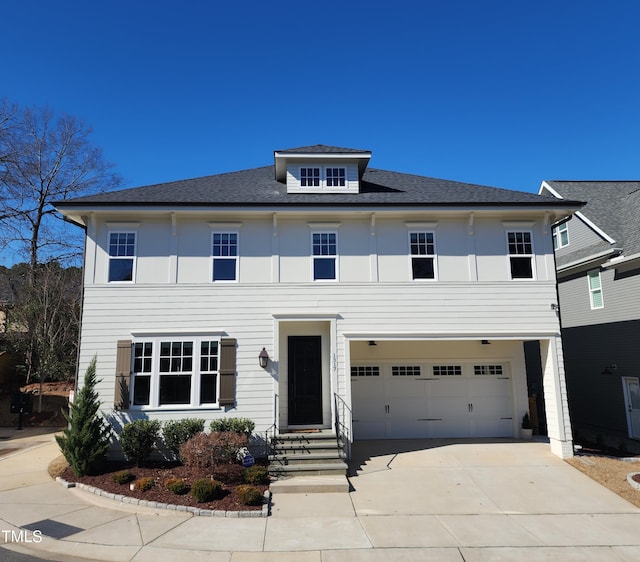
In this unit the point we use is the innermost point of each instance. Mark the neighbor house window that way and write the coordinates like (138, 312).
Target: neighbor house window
(172, 372)
(520, 254)
(595, 289)
(336, 177)
(423, 255)
(225, 256)
(560, 236)
(310, 177)
(122, 252)
(324, 255)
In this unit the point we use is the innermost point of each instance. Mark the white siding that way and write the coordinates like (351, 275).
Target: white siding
(185, 257)
(246, 312)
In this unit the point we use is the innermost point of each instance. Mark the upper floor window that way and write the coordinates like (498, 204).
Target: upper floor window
(423, 255)
(225, 256)
(122, 252)
(520, 247)
(325, 251)
(560, 236)
(336, 177)
(310, 177)
(595, 289)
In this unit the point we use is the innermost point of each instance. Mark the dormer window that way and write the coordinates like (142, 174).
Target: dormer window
(321, 169)
(310, 177)
(336, 177)
(324, 177)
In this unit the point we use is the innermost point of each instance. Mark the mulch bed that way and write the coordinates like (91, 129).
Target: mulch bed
(229, 475)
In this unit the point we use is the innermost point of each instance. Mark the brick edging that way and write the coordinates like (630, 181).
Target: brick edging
(120, 498)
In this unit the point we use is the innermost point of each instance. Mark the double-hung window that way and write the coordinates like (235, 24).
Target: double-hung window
(336, 177)
(520, 248)
(176, 371)
(122, 252)
(423, 255)
(310, 177)
(325, 252)
(560, 236)
(595, 289)
(225, 256)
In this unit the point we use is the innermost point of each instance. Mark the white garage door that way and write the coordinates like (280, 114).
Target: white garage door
(395, 401)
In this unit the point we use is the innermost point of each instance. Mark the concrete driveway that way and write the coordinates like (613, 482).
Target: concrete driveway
(484, 495)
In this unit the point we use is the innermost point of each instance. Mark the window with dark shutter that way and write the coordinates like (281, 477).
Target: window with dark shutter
(123, 375)
(227, 372)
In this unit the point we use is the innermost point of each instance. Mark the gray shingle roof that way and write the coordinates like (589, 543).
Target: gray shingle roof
(258, 187)
(323, 149)
(613, 206)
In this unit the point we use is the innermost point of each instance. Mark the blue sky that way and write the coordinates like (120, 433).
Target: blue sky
(496, 92)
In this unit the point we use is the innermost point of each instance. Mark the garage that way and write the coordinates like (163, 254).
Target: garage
(394, 399)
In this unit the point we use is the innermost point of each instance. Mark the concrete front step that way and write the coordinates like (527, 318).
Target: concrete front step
(310, 458)
(337, 468)
(310, 484)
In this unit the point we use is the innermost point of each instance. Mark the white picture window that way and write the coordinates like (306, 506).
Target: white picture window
(560, 236)
(325, 252)
(225, 256)
(423, 255)
(595, 289)
(520, 247)
(122, 256)
(175, 372)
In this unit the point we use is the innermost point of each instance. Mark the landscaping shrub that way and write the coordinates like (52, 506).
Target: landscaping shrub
(144, 484)
(226, 445)
(177, 432)
(138, 438)
(205, 489)
(256, 475)
(176, 485)
(84, 443)
(244, 426)
(122, 477)
(249, 495)
(206, 450)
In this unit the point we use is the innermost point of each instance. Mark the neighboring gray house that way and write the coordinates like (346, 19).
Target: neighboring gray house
(598, 264)
(321, 293)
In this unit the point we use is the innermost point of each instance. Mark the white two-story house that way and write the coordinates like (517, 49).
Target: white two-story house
(321, 293)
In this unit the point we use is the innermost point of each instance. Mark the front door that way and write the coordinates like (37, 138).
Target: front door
(305, 380)
(631, 388)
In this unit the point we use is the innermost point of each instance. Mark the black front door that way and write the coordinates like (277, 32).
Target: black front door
(305, 380)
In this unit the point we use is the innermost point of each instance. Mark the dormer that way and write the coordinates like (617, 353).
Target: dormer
(321, 169)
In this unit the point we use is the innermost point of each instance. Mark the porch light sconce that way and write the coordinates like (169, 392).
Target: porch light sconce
(610, 370)
(372, 342)
(263, 358)
(485, 342)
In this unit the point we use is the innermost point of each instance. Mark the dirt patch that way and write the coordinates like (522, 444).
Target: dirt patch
(229, 475)
(610, 472)
(49, 388)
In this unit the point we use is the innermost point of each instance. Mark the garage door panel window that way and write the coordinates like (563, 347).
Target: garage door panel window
(488, 370)
(447, 370)
(405, 371)
(365, 371)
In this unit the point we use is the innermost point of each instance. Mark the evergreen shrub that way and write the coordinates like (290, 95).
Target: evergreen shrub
(85, 441)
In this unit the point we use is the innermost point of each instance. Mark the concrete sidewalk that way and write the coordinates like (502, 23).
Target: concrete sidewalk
(412, 501)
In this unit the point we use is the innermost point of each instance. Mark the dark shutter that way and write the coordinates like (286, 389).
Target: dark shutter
(123, 375)
(227, 372)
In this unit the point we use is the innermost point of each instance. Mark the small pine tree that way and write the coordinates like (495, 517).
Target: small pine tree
(85, 441)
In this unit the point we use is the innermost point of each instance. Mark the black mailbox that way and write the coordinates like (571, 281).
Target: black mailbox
(20, 403)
